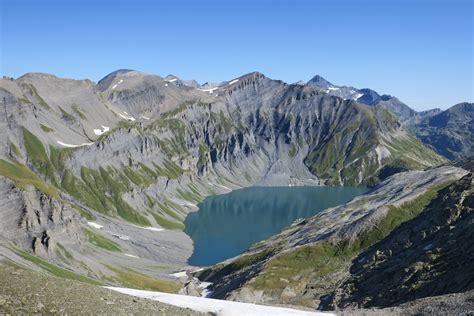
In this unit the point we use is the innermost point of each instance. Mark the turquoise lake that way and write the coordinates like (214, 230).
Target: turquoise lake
(228, 224)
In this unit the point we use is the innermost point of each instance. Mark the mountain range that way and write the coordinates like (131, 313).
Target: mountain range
(91, 172)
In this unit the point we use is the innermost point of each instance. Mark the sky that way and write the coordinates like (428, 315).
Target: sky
(418, 50)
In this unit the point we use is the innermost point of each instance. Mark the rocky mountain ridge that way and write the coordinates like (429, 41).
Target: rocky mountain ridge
(97, 178)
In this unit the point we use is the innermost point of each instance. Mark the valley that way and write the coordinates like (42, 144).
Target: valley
(98, 180)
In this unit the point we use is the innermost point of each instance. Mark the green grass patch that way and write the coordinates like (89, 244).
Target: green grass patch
(55, 270)
(67, 254)
(102, 242)
(78, 112)
(169, 169)
(292, 151)
(66, 116)
(34, 93)
(46, 129)
(85, 214)
(37, 155)
(23, 177)
(133, 279)
(167, 223)
(298, 265)
(14, 150)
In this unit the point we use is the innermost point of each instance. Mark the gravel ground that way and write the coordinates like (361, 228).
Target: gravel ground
(29, 292)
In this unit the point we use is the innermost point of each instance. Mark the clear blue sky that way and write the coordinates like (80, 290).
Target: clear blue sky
(418, 50)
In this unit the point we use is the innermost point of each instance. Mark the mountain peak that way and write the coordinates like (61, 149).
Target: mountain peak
(320, 82)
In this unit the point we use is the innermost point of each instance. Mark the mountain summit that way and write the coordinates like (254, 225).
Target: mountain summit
(319, 82)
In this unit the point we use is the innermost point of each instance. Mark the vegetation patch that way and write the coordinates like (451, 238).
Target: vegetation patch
(32, 90)
(23, 177)
(66, 116)
(78, 112)
(14, 150)
(55, 270)
(133, 279)
(37, 155)
(46, 129)
(102, 242)
(167, 223)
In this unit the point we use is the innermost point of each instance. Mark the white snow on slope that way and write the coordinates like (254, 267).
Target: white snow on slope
(131, 256)
(73, 146)
(115, 85)
(95, 225)
(179, 274)
(171, 80)
(155, 229)
(145, 118)
(218, 307)
(358, 95)
(332, 88)
(232, 82)
(102, 130)
(209, 90)
(130, 118)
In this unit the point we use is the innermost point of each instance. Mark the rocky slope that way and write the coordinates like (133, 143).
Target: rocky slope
(430, 255)
(307, 261)
(25, 292)
(450, 132)
(97, 178)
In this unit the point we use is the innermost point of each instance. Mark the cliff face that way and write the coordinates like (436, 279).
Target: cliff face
(430, 255)
(450, 132)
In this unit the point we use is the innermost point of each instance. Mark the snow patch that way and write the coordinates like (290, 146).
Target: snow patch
(116, 85)
(73, 146)
(232, 82)
(155, 229)
(102, 130)
(145, 118)
(125, 116)
(179, 274)
(171, 80)
(209, 90)
(95, 225)
(131, 256)
(332, 88)
(166, 84)
(218, 307)
(357, 96)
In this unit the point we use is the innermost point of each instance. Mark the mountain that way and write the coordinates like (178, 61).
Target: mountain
(96, 179)
(430, 255)
(366, 96)
(366, 253)
(450, 132)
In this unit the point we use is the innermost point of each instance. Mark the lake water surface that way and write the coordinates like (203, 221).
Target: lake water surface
(228, 224)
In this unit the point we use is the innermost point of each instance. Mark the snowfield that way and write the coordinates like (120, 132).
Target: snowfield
(211, 90)
(218, 307)
(73, 146)
(95, 225)
(100, 131)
